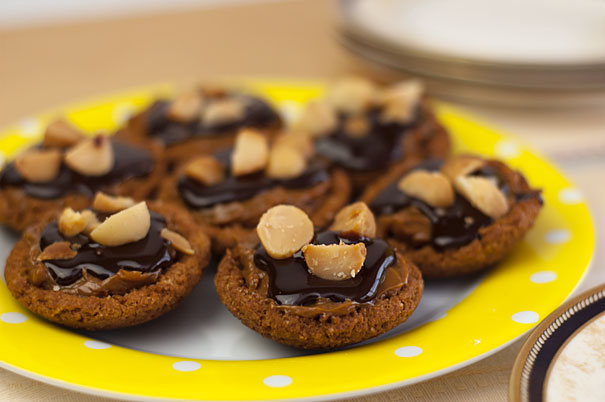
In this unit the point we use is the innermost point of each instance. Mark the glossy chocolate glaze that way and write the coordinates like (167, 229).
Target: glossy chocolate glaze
(239, 188)
(257, 113)
(129, 162)
(453, 226)
(291, 283)
(376, 150)
(148, 255)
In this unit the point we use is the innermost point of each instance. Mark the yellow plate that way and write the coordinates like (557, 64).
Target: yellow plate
(506, 302)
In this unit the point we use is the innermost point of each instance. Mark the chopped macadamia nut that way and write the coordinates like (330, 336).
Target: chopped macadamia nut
(296, 139)
(335, 262)
(61, 134)
(71, 222)
(483, 194)
(286, 162)
(39, 166)
(60, 250)
(91, 157)
(91, 221)
(250, 154)
(186, 107)
(283, 230)
(127, 226)
(223, 111)
(355, 220)
(400, 101)
(352, 95)
(434, 188)
(177, 241)
(357, 126)
(461, 166)
(317, 119)
(110, 204)
(206, 170)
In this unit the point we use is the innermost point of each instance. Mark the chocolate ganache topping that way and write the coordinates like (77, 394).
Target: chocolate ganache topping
(290, 282)
(257, 113)
(238, 188)
(379, 147)
(129, 162)
(453, 226)
(146, 256)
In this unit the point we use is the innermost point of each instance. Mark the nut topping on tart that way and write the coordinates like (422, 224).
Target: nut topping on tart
(335, 262)
(186, 107)
(223, 111)
(353, 95)
(318, 118)
(39, 166)
(206, 170)
(71, 222)
(483, 194)
(127, 226)
(434, 188)
(283, 230)
(61, 134)
(250, 154)
(461, 166)
(399, 101)
(296, 139)
(355, 220)
(177, 241)
(286, 162)
(110, 204)
(91, 157)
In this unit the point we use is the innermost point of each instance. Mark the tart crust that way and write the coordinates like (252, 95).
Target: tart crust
(494, 242)
(19, 210)
(115, 311)
(327, 331)
(231, 223)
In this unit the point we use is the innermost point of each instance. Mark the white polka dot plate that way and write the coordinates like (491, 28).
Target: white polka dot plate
(563, 359)
(200, 352)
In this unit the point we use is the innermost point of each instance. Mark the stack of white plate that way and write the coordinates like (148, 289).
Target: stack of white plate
(538, 52)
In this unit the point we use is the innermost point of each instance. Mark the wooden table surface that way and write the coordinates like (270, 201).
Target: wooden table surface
(46, 66)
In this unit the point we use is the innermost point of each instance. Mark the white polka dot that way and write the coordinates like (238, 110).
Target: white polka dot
(290, 110)
(186, 365)
(96, 345)
(13, 318)
(507, 149)
(277, 381)
(30, 127)
(526, 317)
(476, 341)
(543, 277)
(570, 196)
(121, 113)
(557, 236)
(408, 351)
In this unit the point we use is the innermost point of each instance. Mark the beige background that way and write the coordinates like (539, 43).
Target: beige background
(43, 67)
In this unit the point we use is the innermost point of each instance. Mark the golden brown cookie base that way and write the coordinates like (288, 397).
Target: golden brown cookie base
(227, 224)
(116, 311)
(262, 314)
(177, 154)
(19, 210)
(428, 140)
(493, 244)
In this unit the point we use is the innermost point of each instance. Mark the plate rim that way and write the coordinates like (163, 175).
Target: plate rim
(540, 334)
